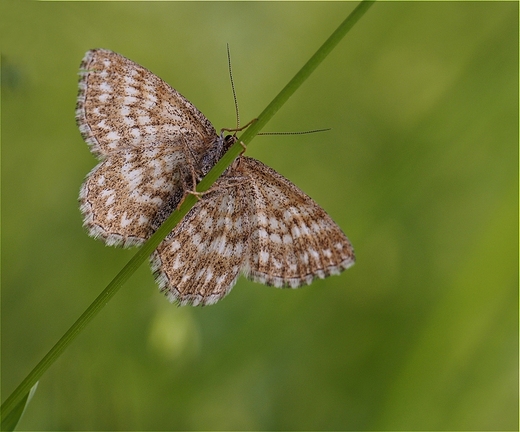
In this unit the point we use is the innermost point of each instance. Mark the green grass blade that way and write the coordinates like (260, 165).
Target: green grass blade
(10, 420)
(13, 401)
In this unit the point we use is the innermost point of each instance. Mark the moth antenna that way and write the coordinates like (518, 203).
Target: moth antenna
(294, 133)
(233, 87)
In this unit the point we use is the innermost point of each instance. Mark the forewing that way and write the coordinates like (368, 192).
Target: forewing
(293, 240)
(128, 195)
(200, 260)
(121, 105)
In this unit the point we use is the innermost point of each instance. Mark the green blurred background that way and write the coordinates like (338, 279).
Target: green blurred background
(420, 170)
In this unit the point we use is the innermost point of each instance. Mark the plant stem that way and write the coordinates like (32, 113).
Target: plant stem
(177, 215)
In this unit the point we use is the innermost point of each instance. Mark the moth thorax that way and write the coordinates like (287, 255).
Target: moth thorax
(220, 146)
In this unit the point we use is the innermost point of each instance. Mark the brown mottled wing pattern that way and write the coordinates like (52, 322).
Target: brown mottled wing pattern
(256, 222)
(147, 136)
(293, 240)
(128, 195)
(121, 104)
(200, 260)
